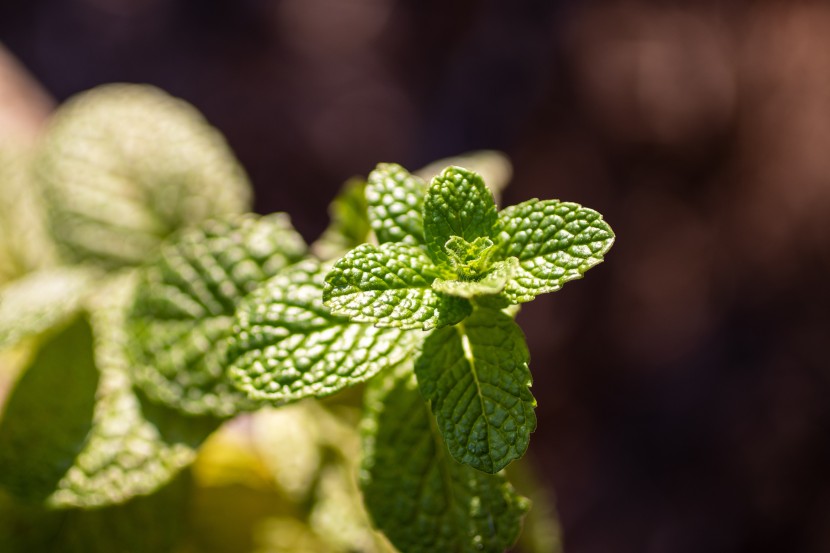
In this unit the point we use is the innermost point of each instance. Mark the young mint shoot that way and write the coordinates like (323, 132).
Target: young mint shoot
(451, 280)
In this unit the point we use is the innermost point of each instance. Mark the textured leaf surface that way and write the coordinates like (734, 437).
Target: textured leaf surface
(493, 166)
(76, 435)
(124, 166)
(349, 226)
(555, 242)
(41, 300)
(183, 313)
(476, 376)
(132, 448)
(389, 285)
(396, 201)
(286, 345)
(457, 204)
(418, 495)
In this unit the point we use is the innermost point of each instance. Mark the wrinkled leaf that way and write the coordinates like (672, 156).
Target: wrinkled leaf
(75, 434)
(457, 204)
(493, 166)
(476, 376)
(396, 201)
(390, 286)
(417, 494)
(555, 242)
(184, 308)
(124, 166)
(285, 344)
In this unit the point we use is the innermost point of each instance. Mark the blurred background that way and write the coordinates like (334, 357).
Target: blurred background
(684, 386)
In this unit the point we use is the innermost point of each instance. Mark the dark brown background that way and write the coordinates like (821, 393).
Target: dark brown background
(683, 387)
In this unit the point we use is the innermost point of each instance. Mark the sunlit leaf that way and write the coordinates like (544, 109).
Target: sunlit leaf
(124, 166)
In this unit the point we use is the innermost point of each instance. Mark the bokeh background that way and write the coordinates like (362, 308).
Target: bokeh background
(684, 386)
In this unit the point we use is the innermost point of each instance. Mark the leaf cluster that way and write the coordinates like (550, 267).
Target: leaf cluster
(168, 309)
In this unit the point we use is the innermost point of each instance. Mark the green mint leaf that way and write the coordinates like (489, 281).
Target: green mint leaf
(25, 244)
(49, 414)
(40, 301)
(554, 241)
(457, 204)
(131, 449)
(76, 435)
(493, 166)
(417, 494)
(349, 226)
(390, 286)
(396, 201)
(185, 304)
(121, 167)
(286, 345)
(476, 376)
(493, 282)
(148, 524)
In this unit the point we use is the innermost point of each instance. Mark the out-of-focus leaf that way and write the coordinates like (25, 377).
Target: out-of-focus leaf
(124, 166)
(288, 535)
(41, 301)
(75, 435)
(25, 244)
(349, 226)
(148, 524)
(339, 517)
(183, 313)
(130, 449)
(288, 439)
(49, 415)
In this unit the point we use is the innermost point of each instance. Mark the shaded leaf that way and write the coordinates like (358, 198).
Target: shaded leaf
(349, 226)
(74, 433)
(476, 376)
(49, 415)
(417, 494)
(147, 524)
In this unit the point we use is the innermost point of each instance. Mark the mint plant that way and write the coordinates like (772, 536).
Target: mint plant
(172, 310)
